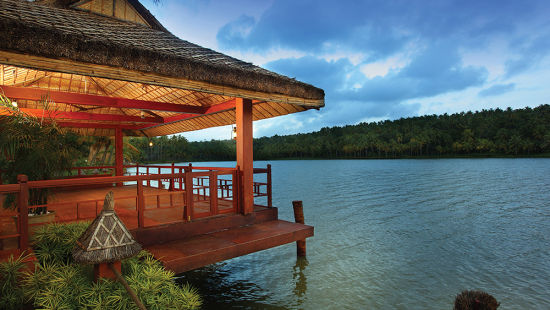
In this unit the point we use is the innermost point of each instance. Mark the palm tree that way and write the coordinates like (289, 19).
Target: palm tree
(35, 147)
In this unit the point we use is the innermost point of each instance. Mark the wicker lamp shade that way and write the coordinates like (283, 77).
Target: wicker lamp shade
(106, 240)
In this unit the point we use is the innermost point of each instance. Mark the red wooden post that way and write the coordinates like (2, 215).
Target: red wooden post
(299, 218)
(141, 204)
(181, 180)
(148, 181)
(137, 169)
(188, 210)
(23, 204)
(213, 184)
(171, 187)
(119, 157)
(269, 188)
(244, 152)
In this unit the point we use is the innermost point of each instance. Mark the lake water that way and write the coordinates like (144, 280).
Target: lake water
(398, 234)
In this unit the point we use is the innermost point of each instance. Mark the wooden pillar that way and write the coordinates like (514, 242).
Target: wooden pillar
(188, 211)
(299, 218)
(243, 109)
(119, 158)
(140, 204)
(213, 189)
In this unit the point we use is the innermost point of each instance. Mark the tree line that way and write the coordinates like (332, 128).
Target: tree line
(520, 132)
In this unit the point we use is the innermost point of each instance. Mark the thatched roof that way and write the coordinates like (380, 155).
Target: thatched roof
(64, 33)
(65, 48)
(106, 239)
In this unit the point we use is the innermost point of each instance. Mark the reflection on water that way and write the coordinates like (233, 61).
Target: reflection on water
(398, 234)
(300, 278)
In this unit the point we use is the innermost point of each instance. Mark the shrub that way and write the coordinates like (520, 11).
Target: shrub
(58, 283)
(11, 273)
(53, 243)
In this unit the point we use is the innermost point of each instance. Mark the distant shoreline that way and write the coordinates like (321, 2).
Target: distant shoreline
(466, 156)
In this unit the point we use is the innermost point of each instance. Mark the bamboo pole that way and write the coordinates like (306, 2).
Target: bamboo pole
(127, 287)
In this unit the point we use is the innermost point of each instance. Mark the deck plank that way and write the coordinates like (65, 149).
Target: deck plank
(198, 251)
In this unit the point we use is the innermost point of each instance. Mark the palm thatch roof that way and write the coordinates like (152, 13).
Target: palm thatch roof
(106, 239)
(66, 46)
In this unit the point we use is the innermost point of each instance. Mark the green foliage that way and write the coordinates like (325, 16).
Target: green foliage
(177, 148)
(36, 147)
(58, 283)
(521, 132)
(155, 285)
(11, 273)
(61, 286)
(54, 243)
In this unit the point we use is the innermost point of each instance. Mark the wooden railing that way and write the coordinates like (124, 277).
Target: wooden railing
(212, 191)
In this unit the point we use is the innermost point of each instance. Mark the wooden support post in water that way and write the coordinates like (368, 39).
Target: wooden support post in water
(23, 205)
(269, 188)
(299, 218)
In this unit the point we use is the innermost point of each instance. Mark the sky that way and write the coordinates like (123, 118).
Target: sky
(378, 60)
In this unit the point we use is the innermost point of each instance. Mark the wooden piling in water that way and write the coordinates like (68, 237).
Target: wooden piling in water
(299, 218)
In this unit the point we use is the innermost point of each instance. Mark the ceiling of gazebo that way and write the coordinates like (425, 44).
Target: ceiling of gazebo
(97, 106)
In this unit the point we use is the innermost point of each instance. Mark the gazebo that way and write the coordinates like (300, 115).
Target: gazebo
(111, 69)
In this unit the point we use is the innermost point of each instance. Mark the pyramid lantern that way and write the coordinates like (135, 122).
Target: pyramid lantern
(106, 241)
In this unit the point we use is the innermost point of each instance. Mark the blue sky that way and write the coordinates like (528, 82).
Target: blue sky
(378, 60)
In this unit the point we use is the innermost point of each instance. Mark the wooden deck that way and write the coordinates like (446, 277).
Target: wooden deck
(197, 251)
(179, 244)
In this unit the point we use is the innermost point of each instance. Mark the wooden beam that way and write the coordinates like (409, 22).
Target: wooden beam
(228, 105)
(100, 126)
(84, 116)
(244, 152)
(117, 73)
(31, 93)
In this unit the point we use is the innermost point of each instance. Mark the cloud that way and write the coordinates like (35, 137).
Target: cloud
(326, 74)
(377, 28)
(530, 52)
(497, 89)
(435, 71)
(352, 97)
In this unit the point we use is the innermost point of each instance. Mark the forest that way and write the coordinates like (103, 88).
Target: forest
(486, 133)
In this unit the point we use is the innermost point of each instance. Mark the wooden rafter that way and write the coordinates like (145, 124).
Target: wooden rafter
(29, 93)
(83, 116)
